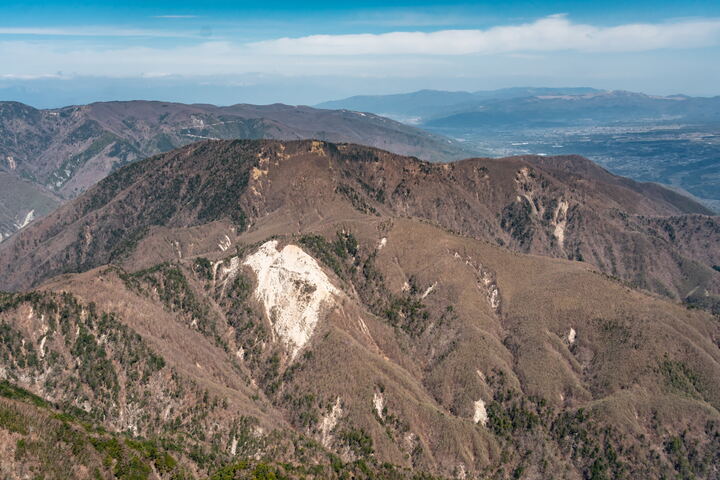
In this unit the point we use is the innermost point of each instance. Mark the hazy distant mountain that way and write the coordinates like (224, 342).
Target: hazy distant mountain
(59, 153)
(266, 309)
(601, 108)
(420, 105)
(524, 107)
(408, 106)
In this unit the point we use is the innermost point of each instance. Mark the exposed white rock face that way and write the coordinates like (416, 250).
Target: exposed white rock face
(364, 329)
(11, 162)
(318, 147)
(42, 346)
(224, 243)
(480, 415)
(233, 446)
(383, 242)
(572, 334)
(487, 282)
(178, 249)
(379, 404)
(29, 217)
(526, 187)
(329, 422)
(410, 442)
(429, 290)
(493, 292)
(292, 289)
(560, 221)
(197, 121)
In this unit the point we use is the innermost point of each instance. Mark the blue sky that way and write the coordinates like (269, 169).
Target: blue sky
(56, 52)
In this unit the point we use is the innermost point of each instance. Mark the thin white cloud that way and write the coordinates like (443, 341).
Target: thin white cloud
(90, 31)
(551, 43)
(553, 33)
(12, 76)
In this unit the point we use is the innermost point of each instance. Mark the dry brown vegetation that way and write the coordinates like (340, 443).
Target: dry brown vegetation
(50, 156)
(580, 374)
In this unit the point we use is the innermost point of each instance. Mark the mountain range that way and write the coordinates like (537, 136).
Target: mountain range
(306, 309)
(532, 107)
(49, 156)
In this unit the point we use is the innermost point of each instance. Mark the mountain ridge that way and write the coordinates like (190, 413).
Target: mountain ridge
(525, 209)
(318, 304)
(426, 102)
(443, 109)
(64, 151)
